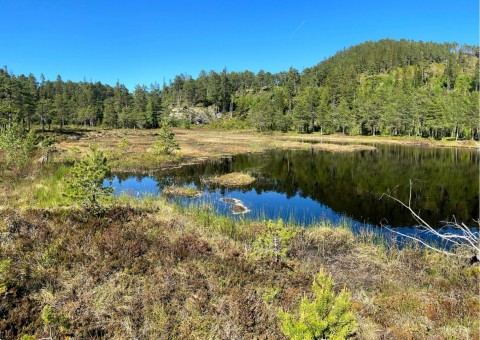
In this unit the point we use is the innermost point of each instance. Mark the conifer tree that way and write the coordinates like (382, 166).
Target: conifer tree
(274, 241)
(18, 147)
(326, 317)
(85, 184)
(166, 142)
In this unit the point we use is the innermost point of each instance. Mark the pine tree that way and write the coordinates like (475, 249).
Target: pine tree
(85, 184)
(18, 147)
(274, 241)
(166, 142)
(326, 317)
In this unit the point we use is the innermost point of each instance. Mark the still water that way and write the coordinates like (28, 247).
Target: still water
(309, 186)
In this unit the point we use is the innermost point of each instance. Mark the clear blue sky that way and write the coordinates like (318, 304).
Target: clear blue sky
(140, 42)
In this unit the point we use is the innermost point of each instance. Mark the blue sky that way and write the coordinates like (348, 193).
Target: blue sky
(141, 42)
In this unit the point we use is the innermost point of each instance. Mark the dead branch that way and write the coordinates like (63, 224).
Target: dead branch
(465, 236)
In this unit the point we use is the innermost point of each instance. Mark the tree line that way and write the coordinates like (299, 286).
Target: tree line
(386, 87)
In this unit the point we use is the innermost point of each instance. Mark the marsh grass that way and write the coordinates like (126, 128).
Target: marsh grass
(181, 191)
(233, 179)
(50, 190)
(198, 144)
(149, 268)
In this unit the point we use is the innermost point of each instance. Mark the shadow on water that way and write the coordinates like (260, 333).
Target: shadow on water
(309, 186)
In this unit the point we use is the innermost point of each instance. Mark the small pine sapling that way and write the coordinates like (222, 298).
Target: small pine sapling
(274, 241)
(166, 142)
(85, 184)
(124, 145)
(54, 321)
(328, 316)
(18, 147)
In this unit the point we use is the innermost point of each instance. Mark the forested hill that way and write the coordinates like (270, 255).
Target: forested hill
(386, 56)
(387, 87)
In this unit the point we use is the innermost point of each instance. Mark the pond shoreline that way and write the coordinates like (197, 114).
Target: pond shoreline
(309, 183)
(200, 144)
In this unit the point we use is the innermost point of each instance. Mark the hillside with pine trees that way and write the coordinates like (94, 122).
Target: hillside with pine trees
(386, 87)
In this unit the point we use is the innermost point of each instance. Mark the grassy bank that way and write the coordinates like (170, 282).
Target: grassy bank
(150, 269)
(131, 150)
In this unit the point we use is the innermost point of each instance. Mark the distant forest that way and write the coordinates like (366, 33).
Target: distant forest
(387, 87)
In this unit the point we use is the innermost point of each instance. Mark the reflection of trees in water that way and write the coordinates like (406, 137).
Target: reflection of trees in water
(445, 180)
(353, 182)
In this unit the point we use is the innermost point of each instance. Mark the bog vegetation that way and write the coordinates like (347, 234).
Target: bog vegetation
(76, 262)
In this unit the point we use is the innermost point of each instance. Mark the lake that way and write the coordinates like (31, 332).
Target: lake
(309, 186)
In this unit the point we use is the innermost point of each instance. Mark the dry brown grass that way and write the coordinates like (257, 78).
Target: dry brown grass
(151, 271)
(202, 143)
(148, 270)
(177, 191)
(233, 179)
(329, 147)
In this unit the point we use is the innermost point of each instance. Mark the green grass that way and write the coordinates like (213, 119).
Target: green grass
(48, 191)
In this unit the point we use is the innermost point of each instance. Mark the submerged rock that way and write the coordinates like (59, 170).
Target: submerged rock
(236, 205)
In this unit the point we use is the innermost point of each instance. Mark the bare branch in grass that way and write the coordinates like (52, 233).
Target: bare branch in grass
(465, 236)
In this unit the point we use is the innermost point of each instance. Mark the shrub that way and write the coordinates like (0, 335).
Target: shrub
(124, 145)
(185, 123)
(85, 184)
(326, 317)
(54, 321)
(166, 142)
(18, 147)
(274, 241)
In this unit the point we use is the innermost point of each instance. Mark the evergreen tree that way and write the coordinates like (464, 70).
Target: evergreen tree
(60, 110)
(327, 316)
(18, 147)
(154, 106)
(44, 112)
(166, 142)
(110, 115)
(85, 184)
(262, 114)
(274, 241)
(305, 111)
(140, 103)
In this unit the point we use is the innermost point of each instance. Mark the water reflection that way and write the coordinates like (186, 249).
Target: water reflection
(309, 185)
